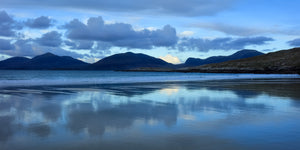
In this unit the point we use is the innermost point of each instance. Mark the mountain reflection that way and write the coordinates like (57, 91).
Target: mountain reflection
(95, 109)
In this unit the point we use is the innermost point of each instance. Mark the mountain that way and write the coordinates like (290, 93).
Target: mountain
(129, 60)
(13, 63)
(284, 61)
(50, 61)
(46, 61)
(217, 59)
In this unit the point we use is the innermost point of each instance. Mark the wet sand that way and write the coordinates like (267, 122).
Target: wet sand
(227, 114)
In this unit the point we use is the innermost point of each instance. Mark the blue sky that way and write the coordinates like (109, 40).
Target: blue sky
(173, 30)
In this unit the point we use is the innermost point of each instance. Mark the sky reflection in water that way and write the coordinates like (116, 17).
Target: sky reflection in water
(208, 115)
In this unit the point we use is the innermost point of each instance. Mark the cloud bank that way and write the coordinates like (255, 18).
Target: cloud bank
(51, 39)
(5, 44)
(120, 34)
(8, 25)
(97, 38)
(30, 48)
(205, 45)
(40, 22)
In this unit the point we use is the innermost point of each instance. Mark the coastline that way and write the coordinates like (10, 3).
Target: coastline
(216, 82)
(220, 70)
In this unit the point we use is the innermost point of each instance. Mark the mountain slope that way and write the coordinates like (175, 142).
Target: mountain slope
(284, 61)
(51, 61)
(217, 59)
(13, 63)
(46, 61)
(126, 61)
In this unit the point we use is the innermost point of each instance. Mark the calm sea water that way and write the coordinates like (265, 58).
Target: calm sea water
(33, 78)
(126, 110)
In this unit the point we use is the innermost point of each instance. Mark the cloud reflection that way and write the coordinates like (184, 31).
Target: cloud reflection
(41, 130)
(6, 127)
(97, 110)
(170, 91)
(120, 117)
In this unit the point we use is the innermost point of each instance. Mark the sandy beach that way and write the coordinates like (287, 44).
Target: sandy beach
(170, 115)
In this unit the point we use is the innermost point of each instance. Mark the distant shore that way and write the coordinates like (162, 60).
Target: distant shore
(254, 71)
(22, 78)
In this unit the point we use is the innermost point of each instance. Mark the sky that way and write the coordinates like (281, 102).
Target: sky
(173, 30)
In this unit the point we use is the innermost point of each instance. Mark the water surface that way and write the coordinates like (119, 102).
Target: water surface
(222, 114)
(45, 77)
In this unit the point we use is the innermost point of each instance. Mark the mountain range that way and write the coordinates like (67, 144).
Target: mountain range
(217, 59)
(47, 61)
(284, 61)
(129, 60)
(140, 62)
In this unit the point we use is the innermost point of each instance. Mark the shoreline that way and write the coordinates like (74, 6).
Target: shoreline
(231, 71)
(183, 70)
(209, 81)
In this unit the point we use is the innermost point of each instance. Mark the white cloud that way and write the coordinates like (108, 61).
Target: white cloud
(171, 59)
(3, 57)
(89, 59)
(186, 34)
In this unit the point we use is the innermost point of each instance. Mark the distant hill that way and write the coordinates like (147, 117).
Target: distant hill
(129, 60)
(46, 61)
(190, 62)
(284, 61)
(13, 63)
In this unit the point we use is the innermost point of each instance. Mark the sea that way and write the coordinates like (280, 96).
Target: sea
(92, 110)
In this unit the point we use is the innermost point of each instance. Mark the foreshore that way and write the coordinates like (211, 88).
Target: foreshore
(220, 70)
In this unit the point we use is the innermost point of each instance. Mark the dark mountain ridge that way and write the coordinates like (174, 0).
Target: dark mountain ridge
(47, 61)
(284, 61)
(129, 60)
(13, 63)
(190, 62)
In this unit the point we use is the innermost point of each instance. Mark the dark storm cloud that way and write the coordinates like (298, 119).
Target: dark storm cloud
(178, 7)
(103, 45)
(121, 34)
(69, 43)
(39, 23)
(23, 48)
(79, 44)
(5, 44)
(7, 25)
(85, 45)
(295, 42)
(206, 45)
(101, 48)
(51, 39)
